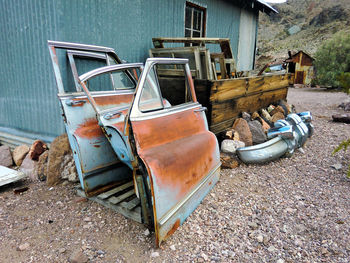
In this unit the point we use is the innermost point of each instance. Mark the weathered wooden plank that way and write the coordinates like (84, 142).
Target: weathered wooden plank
(8, 175)
(117, 199)
(232, 108)
(233, 88)
(115, 190)
(265, 83)
(131, 204)
(223, 90)
(134, 214)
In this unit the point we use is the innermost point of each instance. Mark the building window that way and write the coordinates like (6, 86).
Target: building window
(195, 17)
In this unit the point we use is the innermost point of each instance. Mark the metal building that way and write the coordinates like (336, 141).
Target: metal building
(29, 107)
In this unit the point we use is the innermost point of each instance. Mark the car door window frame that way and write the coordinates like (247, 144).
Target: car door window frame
(137, 113)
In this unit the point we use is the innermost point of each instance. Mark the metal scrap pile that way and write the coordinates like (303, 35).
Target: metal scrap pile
(260, 138)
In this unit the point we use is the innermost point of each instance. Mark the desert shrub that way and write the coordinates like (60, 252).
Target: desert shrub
(332, 62)
(343, 145)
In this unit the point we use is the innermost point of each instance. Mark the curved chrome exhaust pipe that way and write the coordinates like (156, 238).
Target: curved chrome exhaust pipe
(285, 137)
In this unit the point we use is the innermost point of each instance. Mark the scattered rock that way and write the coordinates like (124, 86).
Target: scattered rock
(253, 225)
(337, 166)
(277, 109)
(265, 125)
(23, 246)
(62, 250)
(280, 260)
(19, 153)
(37, 148)
(58, 149)
(246, 116)
(287, 108)
(270, 109)
(294, 29)
(230, 146)
(271, 249)
(242, 127)
(69, 171)
(155, 254)
(341, 118)
(255, 115)
(172, 247)
(228, 161)
(204, 256)
(5, 156)
(257, 131)
(259, 238)
(78, 257)
(277, 116)
(27, 167)
(146, 233)
(41, 167)
(266, 115)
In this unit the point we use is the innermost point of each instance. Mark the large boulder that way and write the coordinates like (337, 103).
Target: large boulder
(242, 127)
(56, 159)
(230, 146)
(41, 166)
(257, 131)
(37, 148)
(19, 153)
(287, 108)
(5, 156)
(246, 116)
(27, 167)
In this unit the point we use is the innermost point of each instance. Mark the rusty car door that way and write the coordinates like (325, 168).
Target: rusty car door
(98, 167)
(179, 154)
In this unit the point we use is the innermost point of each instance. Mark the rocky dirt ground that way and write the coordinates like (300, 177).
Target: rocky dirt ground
(290, 210)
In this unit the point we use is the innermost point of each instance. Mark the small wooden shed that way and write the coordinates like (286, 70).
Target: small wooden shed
(301, 64)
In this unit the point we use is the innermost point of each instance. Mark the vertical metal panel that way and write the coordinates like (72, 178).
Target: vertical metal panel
(27, 87)
(247, 39)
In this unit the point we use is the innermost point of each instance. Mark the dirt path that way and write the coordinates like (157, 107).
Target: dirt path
(291, 210)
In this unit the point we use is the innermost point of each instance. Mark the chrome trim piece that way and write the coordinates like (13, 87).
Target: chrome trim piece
(108, 69)
(291, 133)
(171, 212)
(60, 44)
(165, 112)
(84, 54)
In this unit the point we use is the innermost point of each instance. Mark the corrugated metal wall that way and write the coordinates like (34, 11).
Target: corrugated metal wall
(28, 99)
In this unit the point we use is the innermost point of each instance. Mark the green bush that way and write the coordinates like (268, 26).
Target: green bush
(332, 62)
(343, 145)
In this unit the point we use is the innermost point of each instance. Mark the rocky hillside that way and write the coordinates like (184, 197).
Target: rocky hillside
(300, 25)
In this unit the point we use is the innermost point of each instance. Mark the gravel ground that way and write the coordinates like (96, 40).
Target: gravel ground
(290, 210)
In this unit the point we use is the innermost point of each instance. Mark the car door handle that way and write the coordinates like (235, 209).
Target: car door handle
(75, 102)
(111, 114)
(201, 109)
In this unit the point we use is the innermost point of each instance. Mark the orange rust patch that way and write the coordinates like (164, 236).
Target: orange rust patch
(114, 99)
(89, 129)
(97, 146)
(173, 229)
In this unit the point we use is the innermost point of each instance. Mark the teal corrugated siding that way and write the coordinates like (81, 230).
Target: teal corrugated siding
(28, 99)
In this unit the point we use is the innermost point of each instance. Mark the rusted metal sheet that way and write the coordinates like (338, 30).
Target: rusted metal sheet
(8, 175)
(182, 161)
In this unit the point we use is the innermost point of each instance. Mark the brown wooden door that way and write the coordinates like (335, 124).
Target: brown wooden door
(299, 77)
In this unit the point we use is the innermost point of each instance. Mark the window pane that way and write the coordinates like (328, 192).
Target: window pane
(188, 17)
(196, 34)
(110, 81)
(175, 90)
(150, 98)
(187, 33)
